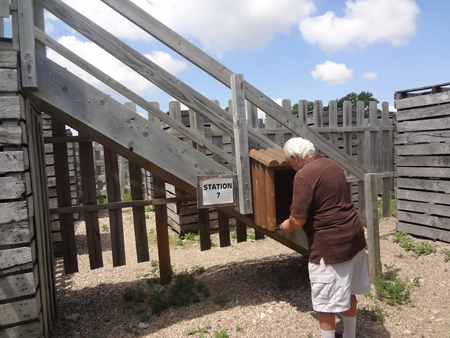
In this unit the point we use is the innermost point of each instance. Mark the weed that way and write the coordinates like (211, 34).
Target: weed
(126, 197)
(199, 330)
(148, 208)
(154, 262)
(220, 334)
(104, 228)
(221, 300)
(233, 233)
(199, 269)
(129, 329)
(391, 289)
(407, 242)
(399, 256)
(446, 252)
(239, 328)
(212, 243)
(143, 317)
(147, 216)
(190, 236)
(310, 335)
(392, 207)
(139, 309)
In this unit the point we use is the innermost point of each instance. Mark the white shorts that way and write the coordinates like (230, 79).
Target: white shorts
(333, 284)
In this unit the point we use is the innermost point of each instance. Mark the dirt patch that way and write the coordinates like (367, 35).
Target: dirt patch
(267, 288)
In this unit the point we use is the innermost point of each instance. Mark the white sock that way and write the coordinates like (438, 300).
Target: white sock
(327, 334)
(349, 327)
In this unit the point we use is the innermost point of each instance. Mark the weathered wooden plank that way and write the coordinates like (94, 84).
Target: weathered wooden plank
(110, 123)
(162, 232)
(361, 149)
(423, 161)
(19, 311)
(269, 181)
(261, 176)
(421, 125)
(187, 219)
(18, 286)
(241, 145)
(27, 44)
(12, 161)
(4, 9)
(434, 148)
(222, 74)
(424, 219)
(11, 188)
(12, 135)
(13, 212)
(149, 70)
(423, 172)
(205, 229)
(421, 196)
(8, 59)
(386, 159)
(373, 231)
(425, 184)
(414, 229)
(16, 257)
(422, 137)
(9, 81)
(16, 233)
(423, 113)
(89, 198)
(424, 207)
(140, 230)
(33, 330)
(11, 107)
(423, 100)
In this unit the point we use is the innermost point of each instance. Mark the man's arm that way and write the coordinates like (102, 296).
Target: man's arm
(292, 223)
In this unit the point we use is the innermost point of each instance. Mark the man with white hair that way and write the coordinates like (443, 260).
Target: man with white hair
(323, 208)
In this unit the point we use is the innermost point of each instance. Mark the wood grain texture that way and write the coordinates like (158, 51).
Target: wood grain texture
(27, 44)
(11, 107)
(16, 233)
(9, 80)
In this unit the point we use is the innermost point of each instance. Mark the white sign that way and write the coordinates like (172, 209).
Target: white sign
(217, 191)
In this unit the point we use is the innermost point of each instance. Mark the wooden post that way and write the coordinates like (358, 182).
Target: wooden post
(252, 115)
(360, 118)
(241, 144)
(318, 114)
(347, 122)
(162, 231)
(27, 44)
(373, 231)
(303, 111)
(386, 159)
(333, 120)
(373, 120)
(115, 194)
(64, 199)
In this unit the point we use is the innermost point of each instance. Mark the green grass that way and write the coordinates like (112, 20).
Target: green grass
(392, 207)
(221, 300)
(220, 334)
(199, 330)
(375, 314)
(407, 242)
(104, 228)
(239, 328)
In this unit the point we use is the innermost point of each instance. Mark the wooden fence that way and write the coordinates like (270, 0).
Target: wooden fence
(423, 161)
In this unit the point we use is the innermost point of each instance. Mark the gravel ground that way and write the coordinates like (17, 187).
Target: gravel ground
(267, 286)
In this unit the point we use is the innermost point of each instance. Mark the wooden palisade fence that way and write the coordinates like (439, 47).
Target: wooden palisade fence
(45, 86)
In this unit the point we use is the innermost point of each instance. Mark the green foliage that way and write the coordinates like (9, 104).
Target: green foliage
(104, 228)
(446, 252)
(126, 197)
(392, 207)
(199, 330)
(391, 289)
(220, 334)
(366, 97)
(407, 242)
(239, 328)
(190, 236)
(143, 317)
(221, 300)
(148, 208)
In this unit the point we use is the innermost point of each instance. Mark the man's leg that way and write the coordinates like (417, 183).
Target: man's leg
(350, 319)
(327, 322)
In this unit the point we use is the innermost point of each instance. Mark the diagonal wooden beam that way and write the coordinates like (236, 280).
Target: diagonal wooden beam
(121, 89)
(152, 72)
(214, 68)
(71, 100)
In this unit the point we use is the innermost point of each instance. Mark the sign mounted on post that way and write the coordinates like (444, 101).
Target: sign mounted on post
(216, 191)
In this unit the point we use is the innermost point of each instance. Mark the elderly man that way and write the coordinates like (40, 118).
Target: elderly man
(323, 208)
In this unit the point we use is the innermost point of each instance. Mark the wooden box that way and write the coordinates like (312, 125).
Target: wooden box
(272, 181)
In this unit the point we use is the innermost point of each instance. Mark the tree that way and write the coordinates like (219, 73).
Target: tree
(310, 107)
(366, 97)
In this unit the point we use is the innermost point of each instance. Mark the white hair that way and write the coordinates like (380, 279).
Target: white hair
(299, 147)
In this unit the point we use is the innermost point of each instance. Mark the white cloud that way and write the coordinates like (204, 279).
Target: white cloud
(224, 25)
(392, 108)
(370, 76)
(365, 23)
(332, 73)
(111, 66)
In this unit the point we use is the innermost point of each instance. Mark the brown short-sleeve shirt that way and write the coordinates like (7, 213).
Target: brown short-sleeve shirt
(333, 228)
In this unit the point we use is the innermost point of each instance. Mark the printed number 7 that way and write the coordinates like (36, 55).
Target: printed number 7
(218, 194)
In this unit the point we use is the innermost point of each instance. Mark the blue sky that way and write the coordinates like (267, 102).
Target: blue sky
(289, 49)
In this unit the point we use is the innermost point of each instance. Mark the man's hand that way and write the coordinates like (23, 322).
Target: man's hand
(286, 226)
